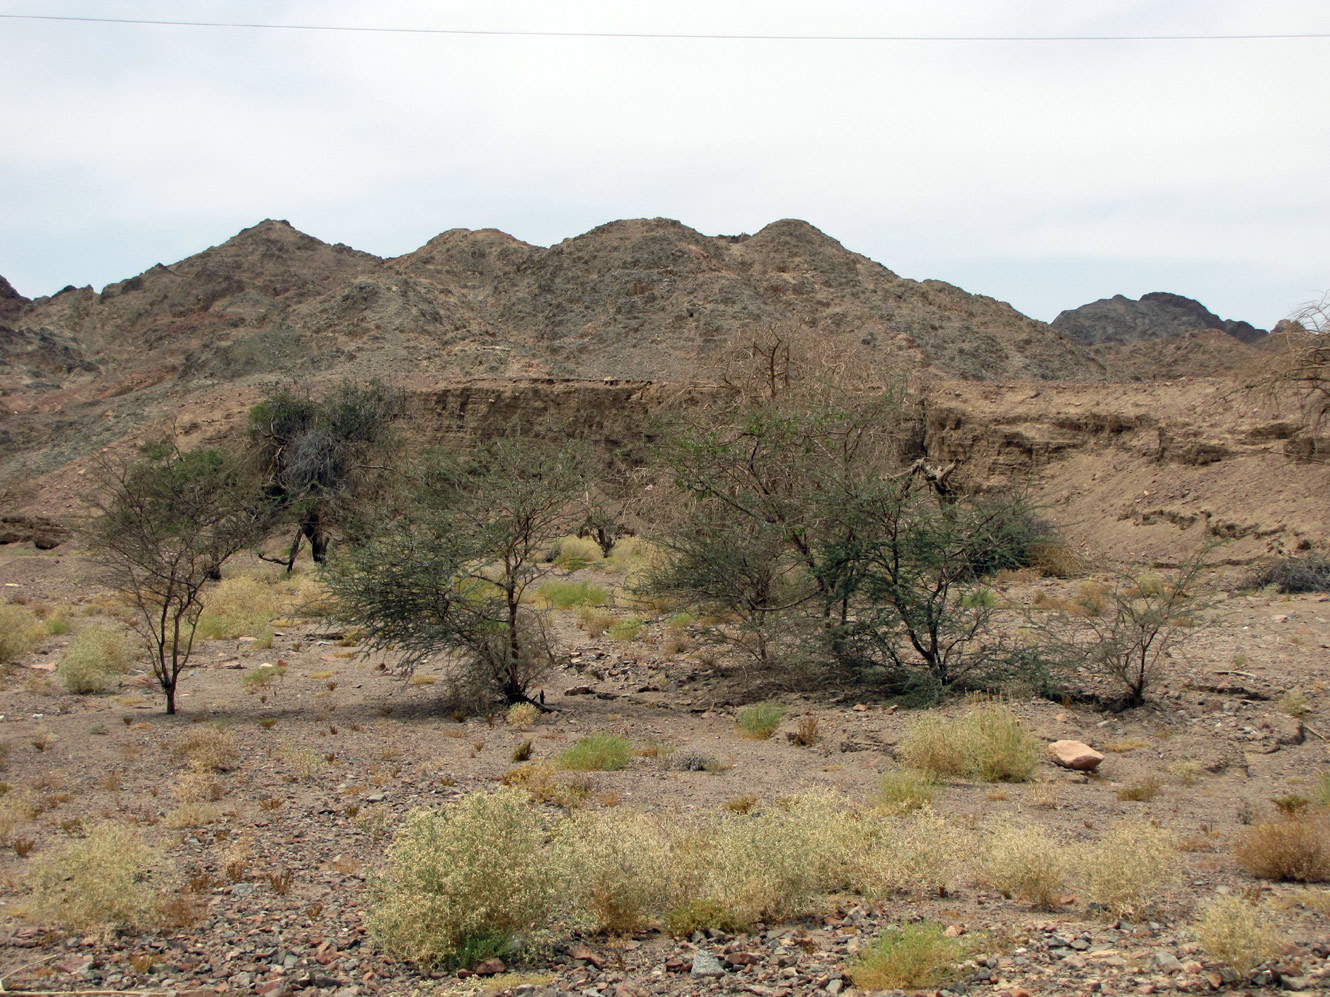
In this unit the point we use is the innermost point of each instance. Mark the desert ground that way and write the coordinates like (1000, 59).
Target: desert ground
(270, 869)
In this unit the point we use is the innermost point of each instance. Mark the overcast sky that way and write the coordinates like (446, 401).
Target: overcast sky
(1047, 174)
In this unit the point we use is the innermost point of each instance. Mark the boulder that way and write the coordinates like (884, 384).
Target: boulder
(1074, 755)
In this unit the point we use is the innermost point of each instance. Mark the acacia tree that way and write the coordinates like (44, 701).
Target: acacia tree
(1130, 639)
(912, 563)
(314, 454)
(814, 515)
(167, 522)
(449, 574)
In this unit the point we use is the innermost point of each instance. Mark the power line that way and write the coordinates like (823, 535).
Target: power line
(667, 35)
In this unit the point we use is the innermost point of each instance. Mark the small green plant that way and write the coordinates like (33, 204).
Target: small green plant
(598, 753)
(626, 629)
(522, 753)
(912, 957)
(56, 625)
(94, 660)
(988, 742)
(980, 598)
(1295, 703)
(263, 678)
(900, 791)
(759, 721)
(567, 594)
(1237, 933)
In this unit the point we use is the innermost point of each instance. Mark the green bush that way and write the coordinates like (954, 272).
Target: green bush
(463, 883)
(95, 660)
(565, 594)
(915, 956)
(598, 753)
(759, 721)
(97, 883)
(19, 631)
(626, 629)
(987, 742)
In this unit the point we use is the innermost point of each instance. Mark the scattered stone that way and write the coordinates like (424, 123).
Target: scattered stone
(1167, 962)
(580, 690)
(490, 967)
(1075, 755)
(706, 964)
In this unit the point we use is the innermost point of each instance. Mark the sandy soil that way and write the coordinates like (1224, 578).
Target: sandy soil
(338, 751)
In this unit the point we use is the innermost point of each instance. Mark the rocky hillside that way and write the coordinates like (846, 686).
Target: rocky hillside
(629, 299)
(1158, 315)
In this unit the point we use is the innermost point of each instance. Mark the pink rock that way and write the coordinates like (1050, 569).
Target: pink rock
(1074, 755)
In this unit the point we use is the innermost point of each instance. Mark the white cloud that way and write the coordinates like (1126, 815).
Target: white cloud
(1037, 170)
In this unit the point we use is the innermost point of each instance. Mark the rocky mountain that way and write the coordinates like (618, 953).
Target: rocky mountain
(1157, 315)
(639, 298)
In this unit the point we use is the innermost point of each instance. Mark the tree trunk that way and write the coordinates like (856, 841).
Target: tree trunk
(170, 698)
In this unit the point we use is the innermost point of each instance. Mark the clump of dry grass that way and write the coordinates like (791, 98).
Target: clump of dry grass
(15, 811)
(1025, 861)
(523, 715)
(617, 869)
(20, 631)
(99, 883)
(460, 883)
(95, 660)
(239, 606)
(900, 791)
(1295, 848)
(1130, 869)
(208, 749)
(987, 742)
(1237, 933)
(1140, 791)
(595, 621)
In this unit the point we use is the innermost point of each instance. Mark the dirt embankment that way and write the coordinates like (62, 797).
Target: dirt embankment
(1132, 472)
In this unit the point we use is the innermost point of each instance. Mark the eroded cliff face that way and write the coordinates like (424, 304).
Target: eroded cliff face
(1142, 471)
(1131, 472)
